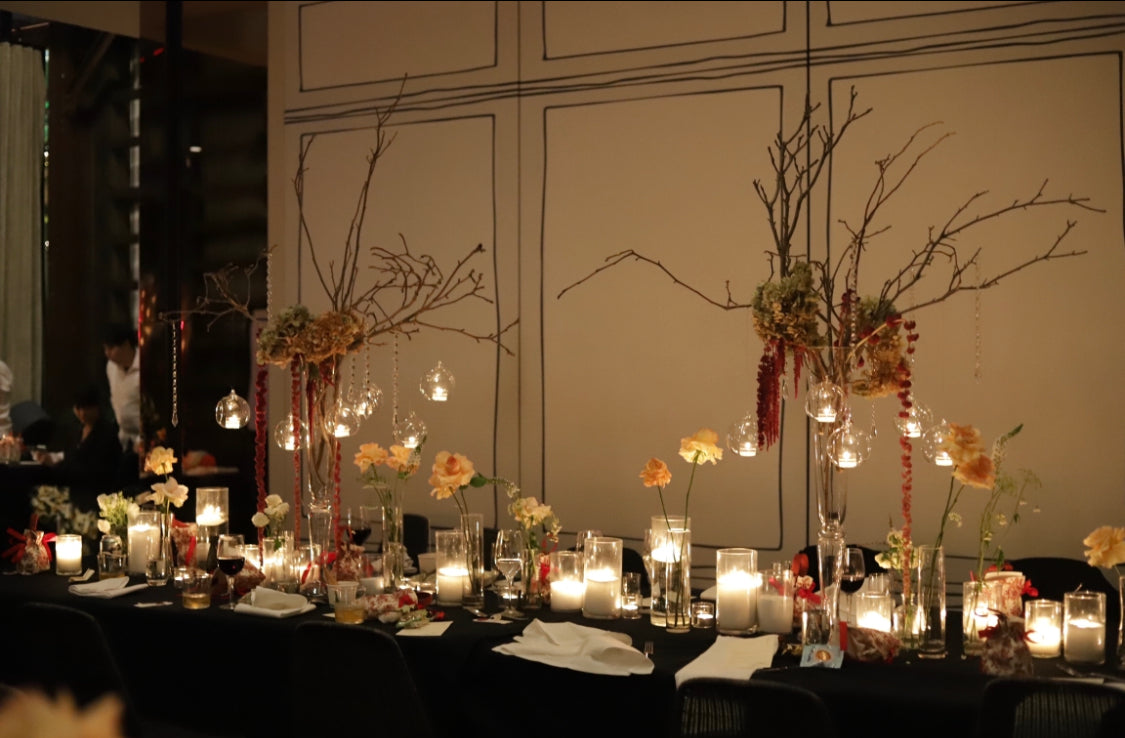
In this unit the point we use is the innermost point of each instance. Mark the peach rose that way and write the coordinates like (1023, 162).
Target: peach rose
(701, 447)
(451, 472)
(656, 474)
(370, 454)
(977, 472)
(963, 444)
(1106, 546)
(403, 460)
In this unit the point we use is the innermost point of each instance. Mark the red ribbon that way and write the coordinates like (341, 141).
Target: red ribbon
(16, 551)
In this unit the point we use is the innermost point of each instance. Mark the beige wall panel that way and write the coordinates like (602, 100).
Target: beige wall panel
(1045, 360)
(356, 43)
(581, 28)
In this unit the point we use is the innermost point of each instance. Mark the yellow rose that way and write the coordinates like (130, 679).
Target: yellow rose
(451, 472)
(963, 444)
(370, 454)
(1106, 546)
(701, 447)
(656, 474)
(160, 460)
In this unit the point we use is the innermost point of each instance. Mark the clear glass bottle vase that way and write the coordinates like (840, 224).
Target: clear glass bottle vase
(671, 573)
(472, 527)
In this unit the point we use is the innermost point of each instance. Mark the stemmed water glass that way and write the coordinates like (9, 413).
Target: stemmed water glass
(231, 560)
(508, 553)
(852, 574)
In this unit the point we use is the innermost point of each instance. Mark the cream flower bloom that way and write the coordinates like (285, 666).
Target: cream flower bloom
(34, 715)
(260, 520)
(160, 460)
(451, 472)
(403, 460)
(164, 492)
(1106, 546)
(656, 474)
(701, 447)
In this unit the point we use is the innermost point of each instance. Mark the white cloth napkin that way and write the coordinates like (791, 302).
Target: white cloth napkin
(578, 647)
(709, 594)
(273, 604)
(429, 629)
(106, 588)
(731, 657)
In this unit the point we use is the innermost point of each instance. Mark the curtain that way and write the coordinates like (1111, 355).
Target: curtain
(23, 97)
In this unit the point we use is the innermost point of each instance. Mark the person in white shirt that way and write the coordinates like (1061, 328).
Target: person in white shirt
(123, 370)
(5, 399)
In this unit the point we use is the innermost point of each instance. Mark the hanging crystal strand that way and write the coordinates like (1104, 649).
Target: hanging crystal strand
(394, 381)
(175, 376)
(874, 426)
(976, 319)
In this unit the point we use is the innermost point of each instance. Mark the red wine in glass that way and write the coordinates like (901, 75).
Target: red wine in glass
(231, 565)
(360, 534)
(851, 584)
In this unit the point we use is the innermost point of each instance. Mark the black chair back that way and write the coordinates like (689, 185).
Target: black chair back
(415, 534)
(342, 671)
(1051, 708)
(727, 708)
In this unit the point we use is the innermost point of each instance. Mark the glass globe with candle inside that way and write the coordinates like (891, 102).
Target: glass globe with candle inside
(367, 401)
(284, 437)
(232, 411)
(933, 444)
(742, 438)
(849, 446)
(917, 419)
(824, 402)
(410, 431)
(437, 384)
(341, 421)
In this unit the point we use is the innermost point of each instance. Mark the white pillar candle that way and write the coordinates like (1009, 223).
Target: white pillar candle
(68, 554)
(566, 595)
(1085, 640)
(451, 584)
(603, 594)
(736, 601)
(775, 612)
(1044, 638)
(210, 515)
(144, 539)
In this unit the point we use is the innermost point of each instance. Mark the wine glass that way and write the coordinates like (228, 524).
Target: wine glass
(508, 552)
(852, 574)
(231, 560)
(357, 525)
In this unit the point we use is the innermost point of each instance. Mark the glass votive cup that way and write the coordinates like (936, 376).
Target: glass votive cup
(601, 570)
(212, 509)
(567, 587)
(195, 587)
(873, 610)
(68, 554)
(1042, 622)
(878, 583)
(775, 601)
(631, 595)
(1083, 637)
(737, 583)
(702, 614)
(451, 566)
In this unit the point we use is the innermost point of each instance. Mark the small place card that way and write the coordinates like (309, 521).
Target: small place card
(822, 655)
(84, 576)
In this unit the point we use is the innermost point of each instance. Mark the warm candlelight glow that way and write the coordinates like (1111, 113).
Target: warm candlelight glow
(210, 515)
(68, 554)
(567, 595)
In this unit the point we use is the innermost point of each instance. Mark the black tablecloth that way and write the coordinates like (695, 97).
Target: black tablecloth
(169, 656)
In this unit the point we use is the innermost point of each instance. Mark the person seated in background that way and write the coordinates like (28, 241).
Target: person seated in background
(123, 370)
(90, 463)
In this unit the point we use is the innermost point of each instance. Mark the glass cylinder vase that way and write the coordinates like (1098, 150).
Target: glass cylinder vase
(1121, 621)
(394, 546)
(472, 527)
(737, 583)
(278, 561)
(671, 573)
(536, 568)
(601, 560)
(831, 484)
(976, 615)
(929, 576)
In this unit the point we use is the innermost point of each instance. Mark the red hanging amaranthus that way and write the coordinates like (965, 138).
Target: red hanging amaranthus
(905, 396)
(771, 368)
(261, 438)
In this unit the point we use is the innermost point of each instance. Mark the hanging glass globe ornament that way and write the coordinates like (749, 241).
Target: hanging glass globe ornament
(742, 438)
(283, 434)
(341, 421)
(410, 432)
(437, 383)
(232, 411)
(824, 402)
(367, 401)
(849, 446)
(933, 444)
(917, 419)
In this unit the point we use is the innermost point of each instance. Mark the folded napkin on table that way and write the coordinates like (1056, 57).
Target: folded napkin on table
(106, 588)
(730, 657)
(273, 604)
(429, 629)
(709, 594)
(578, 647)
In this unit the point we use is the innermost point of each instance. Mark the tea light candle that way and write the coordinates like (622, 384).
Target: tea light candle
(702, 614)
(144, 539)
(1085, 641)
(68, 554)
(603, 594)
(873, 611)
(451, 584)
(775, 612)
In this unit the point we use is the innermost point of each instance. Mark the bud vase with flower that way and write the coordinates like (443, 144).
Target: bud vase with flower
(671, 544)
(163, 495)
(404, 462)
(541, 536)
